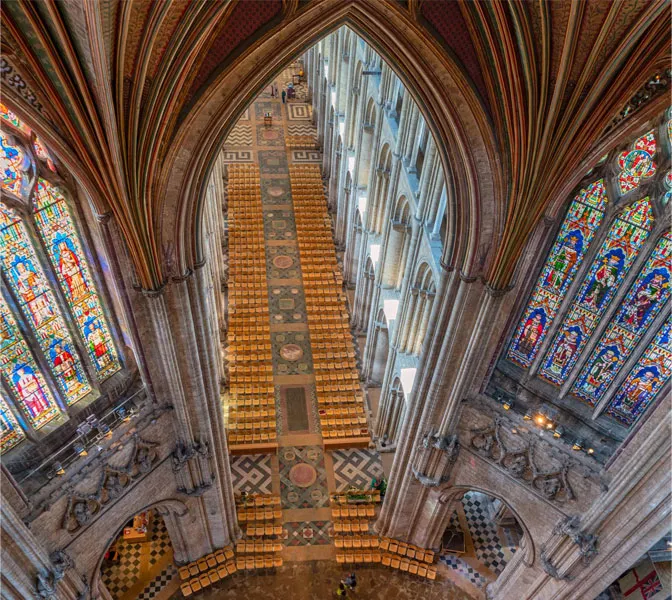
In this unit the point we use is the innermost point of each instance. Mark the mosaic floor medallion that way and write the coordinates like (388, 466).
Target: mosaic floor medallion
(291, 352)
(276, 191)
(303, 476)
(283, 261)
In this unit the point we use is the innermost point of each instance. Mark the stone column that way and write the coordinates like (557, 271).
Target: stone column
(403, 324)
(411, 142)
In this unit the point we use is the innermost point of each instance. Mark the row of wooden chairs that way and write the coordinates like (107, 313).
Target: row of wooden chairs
(356, 541)
(353, 511)
(267, 561)
(414, 567)
(202, 565)
(328, 319)
(258, 546)
(264, 530)
(405, 549)
(251, 418)
(196, 584)
(259, 514)
(351, 526)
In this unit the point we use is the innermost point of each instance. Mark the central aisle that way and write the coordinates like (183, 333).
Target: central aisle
(316, 394)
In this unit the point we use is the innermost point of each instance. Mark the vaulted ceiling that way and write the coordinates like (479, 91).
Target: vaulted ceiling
(111, 86)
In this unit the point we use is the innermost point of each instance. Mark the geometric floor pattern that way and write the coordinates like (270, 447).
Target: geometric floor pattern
(356, 468)
(252, 473)
(312, 494)
(152, 590)
(483, 532)
(464, 569)
(241, 135)
(120, 576)
(307, 533)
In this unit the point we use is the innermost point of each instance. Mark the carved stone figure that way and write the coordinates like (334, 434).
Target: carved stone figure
(550, 487)
(46, 586)
(114, 485)
(518, 465)
(82, 512)
(61, 562)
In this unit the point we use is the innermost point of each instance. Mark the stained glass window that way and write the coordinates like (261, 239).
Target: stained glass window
(620, 248)
(14, 164)
(668, 185)
(27, 279)
(10, 117)
(645, 299)
(637, 164)
(22, 376)
(571, 244)
(646, 379)
(55, 225)
(42, 153)
(10, 432)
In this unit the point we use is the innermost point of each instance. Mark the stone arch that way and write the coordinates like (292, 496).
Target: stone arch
(460, 126)
(364, 294)
(380, 189)
(171, 510)
(366, 146)
(379, 341)
(418, 310)
(354, 106)
(392, 414)
(396, 249)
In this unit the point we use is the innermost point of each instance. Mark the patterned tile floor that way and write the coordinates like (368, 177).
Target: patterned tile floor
(252, 473)
(136, 561)
(306, 494)
(356, 468)
(308, 533)
(152, 590)
(489, 548)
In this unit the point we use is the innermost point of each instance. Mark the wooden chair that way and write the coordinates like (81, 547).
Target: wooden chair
(222, 572)
(405, 564)
(202, 565)
(231, 567)
(431, 572)
(186, 589)
(211, 560)
(184, 573)
(213, 576)
(413, 568)
(394, 546)
(205, 580)
(384, 544)
(422, 571)
(277, 561)
(195, 585)
(386, 560)
(376, 556)
(395, 562)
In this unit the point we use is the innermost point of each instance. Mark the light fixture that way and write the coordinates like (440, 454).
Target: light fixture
(539, 419)
(590, 451)
(123, 414)
(527, 416)
(81, 450)
(507, 403)
(550, 425)
(558, 432)
(58, 467)
(577, 445)
(105, 430)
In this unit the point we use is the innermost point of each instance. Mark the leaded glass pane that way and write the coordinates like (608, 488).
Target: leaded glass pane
(28, 281)
(646, 298)
(571, 244)
(11, 434)
(637, 164)
(14, 163)
(620, 248)
(21, 373)
(55, 225)
(646, 379)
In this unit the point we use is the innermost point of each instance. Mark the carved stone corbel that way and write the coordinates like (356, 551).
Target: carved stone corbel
(587, 542)
(435, 458)
(61, 562)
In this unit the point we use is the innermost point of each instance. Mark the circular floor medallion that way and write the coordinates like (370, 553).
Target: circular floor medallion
(289, 455)
(276, 191)
(303, 475)
(291, 352)
(316, 495)
(283, 261)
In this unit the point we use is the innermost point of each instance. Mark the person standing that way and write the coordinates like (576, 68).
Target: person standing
(350, 582)
(340, 590)
(276, 91)
(272, 91)
(284, 95)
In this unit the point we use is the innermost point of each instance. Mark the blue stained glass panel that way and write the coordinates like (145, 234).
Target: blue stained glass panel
(646, 379)
(27, 280)
(646, 298)
(620, 248)
(571, 244)
(54, 222)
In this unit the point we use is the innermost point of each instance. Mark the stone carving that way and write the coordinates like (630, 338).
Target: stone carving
(435, 458)
(61, 562)
(46, 586)
(550, 569)
(521, 464)
(183, 453)
(587, 542)
(114, 481)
